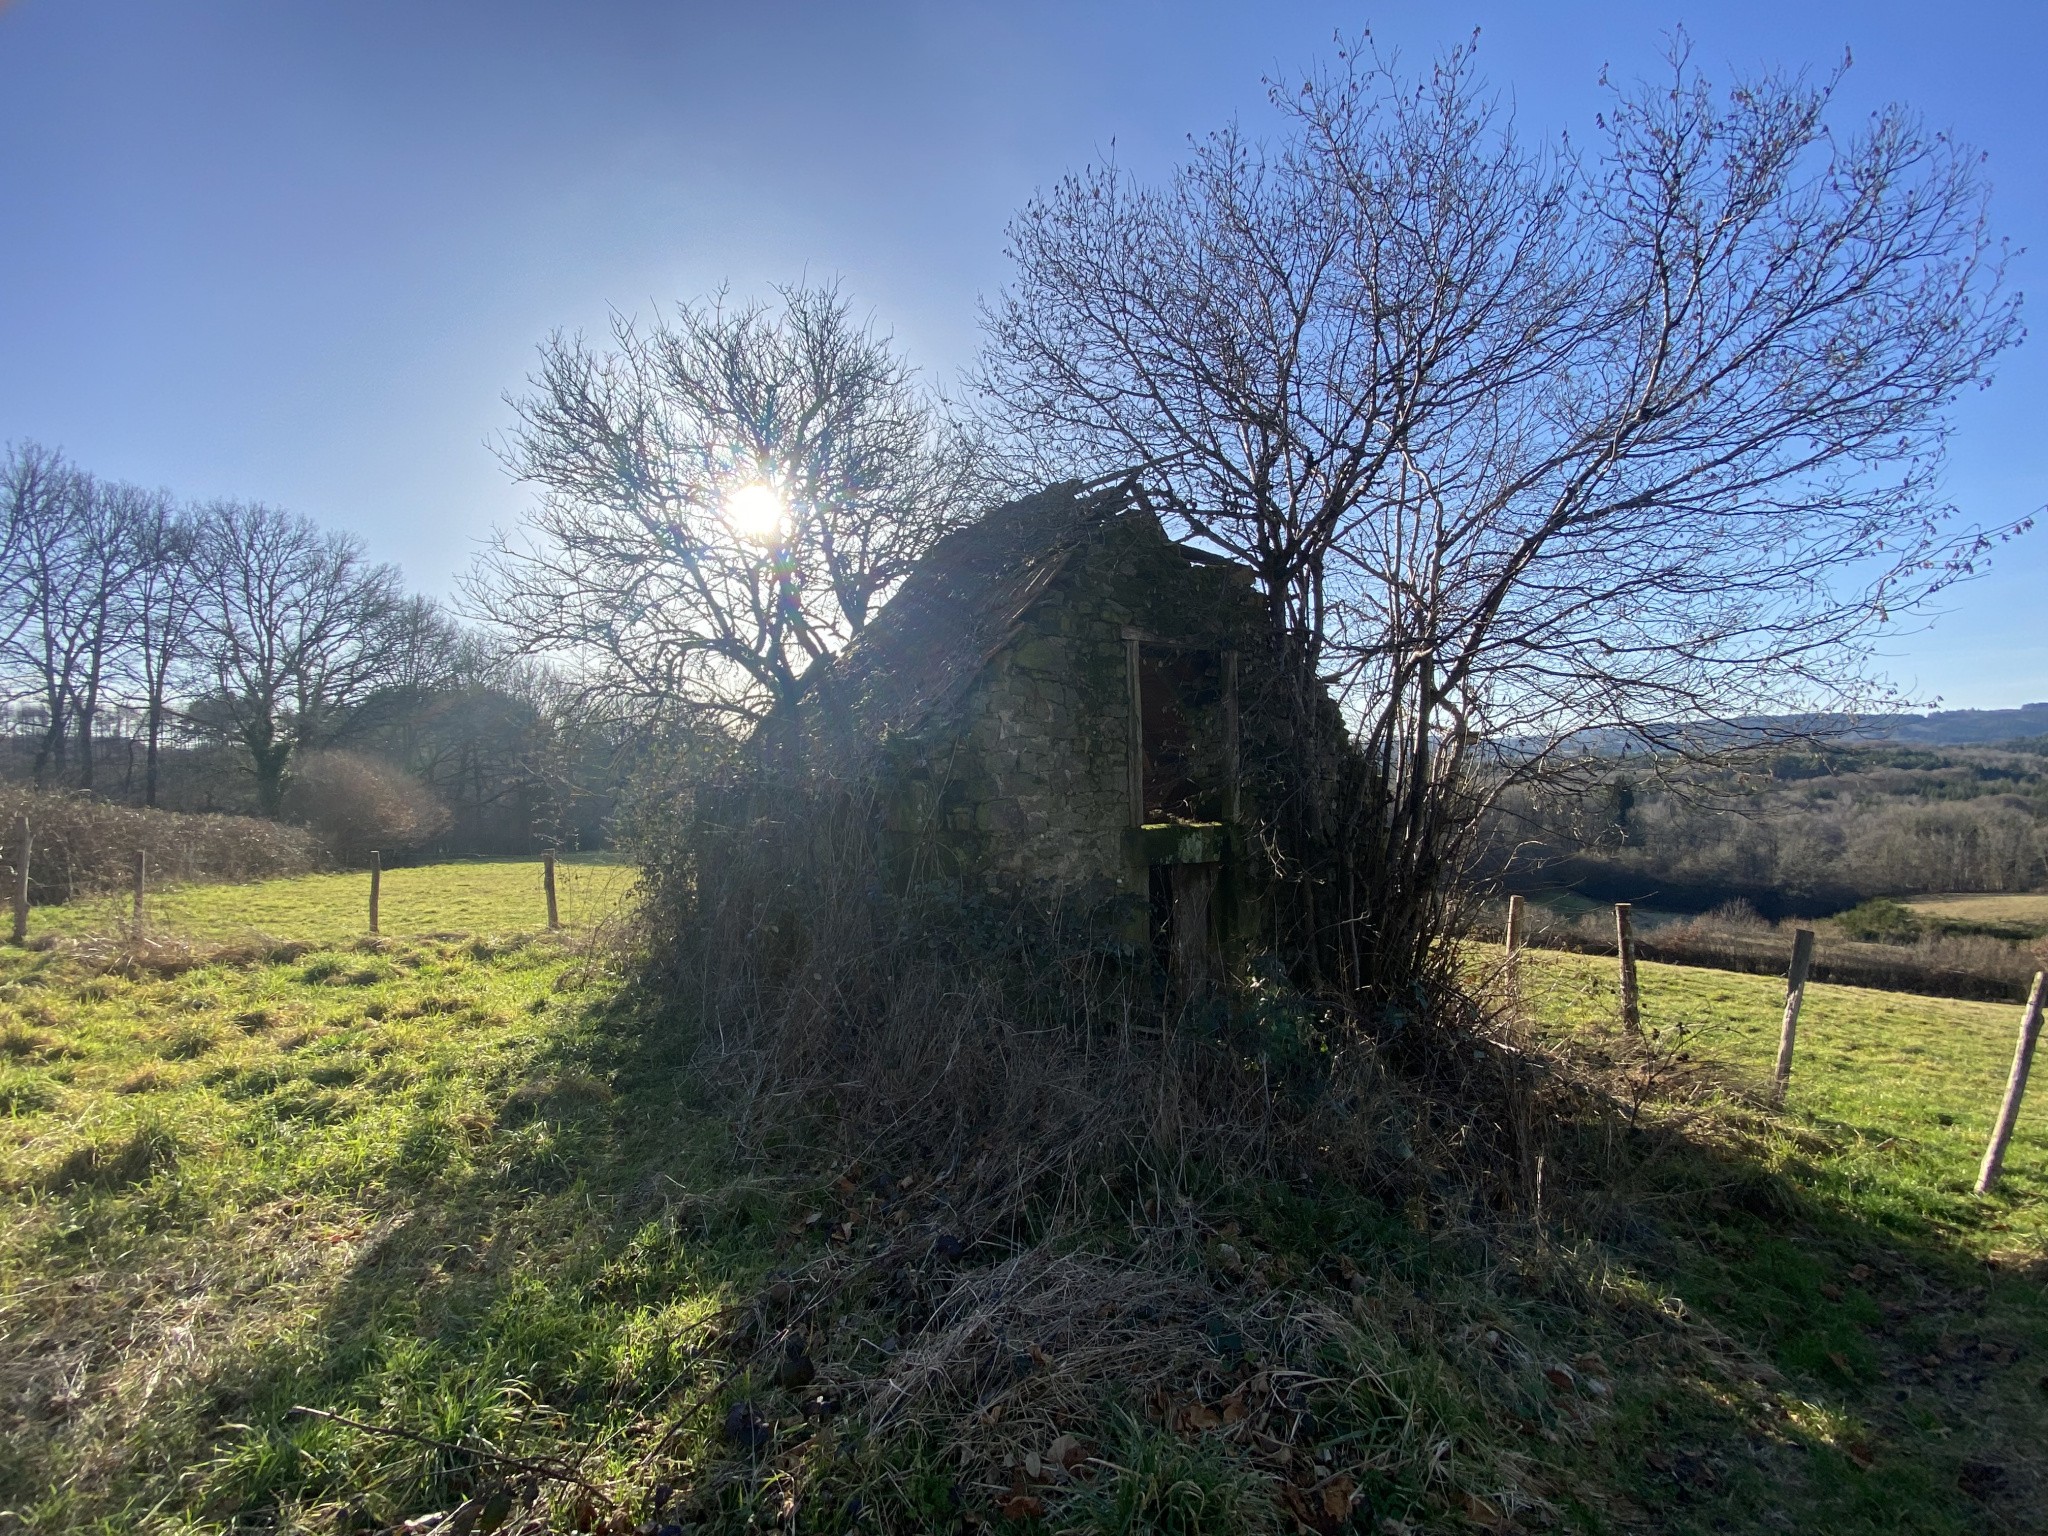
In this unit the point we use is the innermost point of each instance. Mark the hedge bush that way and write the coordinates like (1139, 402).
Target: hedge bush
(81, 846)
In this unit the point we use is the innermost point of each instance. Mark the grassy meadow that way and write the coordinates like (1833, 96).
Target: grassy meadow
(457, 1186)
(474, 896)
(2002, 915)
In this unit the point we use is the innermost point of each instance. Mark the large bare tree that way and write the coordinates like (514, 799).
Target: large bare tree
(159, 601)
(295, 629)
(72, 559)
(1524, 441)
(726, 493)
(43, 494)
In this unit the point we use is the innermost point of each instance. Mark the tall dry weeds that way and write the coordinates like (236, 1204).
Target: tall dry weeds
(850, 1012)
(1035, 1141)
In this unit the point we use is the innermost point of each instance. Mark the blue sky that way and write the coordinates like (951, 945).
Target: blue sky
(299, 252)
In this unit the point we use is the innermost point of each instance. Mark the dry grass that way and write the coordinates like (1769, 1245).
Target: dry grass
(938, 1028)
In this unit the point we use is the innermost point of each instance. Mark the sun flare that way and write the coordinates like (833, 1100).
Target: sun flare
(757, 513)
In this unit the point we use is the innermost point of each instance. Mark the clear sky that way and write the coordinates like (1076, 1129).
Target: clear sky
(298, 252)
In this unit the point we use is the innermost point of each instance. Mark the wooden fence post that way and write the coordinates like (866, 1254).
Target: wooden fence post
(21, 845)
(1625, 949)
(1514, 942)
(1795, 994)
(376, 880)
(141, 876)
(2015, 1088)
(547, 879)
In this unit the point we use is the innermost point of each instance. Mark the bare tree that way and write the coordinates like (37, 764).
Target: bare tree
(726, 494)
(74, 557)
(160, 600)
(30, 477)
(1523, 443)
(109, 558)
(41, 490)
(296, 628)
(424, 663)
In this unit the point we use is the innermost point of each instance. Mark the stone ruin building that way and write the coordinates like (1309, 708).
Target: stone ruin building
(1061, 701)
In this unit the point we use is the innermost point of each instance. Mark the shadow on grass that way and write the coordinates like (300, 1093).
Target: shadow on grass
(1723, 1336)
(535, 1287)
(1898, 1377)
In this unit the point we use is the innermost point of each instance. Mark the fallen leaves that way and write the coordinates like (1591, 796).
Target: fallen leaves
(1479, 1511)
(1067, 1452)
(1326, 1507)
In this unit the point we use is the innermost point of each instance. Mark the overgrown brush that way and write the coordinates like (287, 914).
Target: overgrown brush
(82, 846)
(354, 804)
(1051, 1141)
(854, 1014)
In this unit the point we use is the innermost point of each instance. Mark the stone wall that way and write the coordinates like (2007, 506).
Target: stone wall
(1026, 782)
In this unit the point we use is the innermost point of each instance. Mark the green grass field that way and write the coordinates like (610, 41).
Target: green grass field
(1904, 1087)
(460, 1186)
(475, 896)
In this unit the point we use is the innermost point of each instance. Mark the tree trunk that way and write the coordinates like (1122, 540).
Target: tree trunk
(270, 763)
(85, 761)
(149, 772)
(53, 755)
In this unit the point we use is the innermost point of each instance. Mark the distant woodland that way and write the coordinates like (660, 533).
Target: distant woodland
(1804, 833)
(232, 657)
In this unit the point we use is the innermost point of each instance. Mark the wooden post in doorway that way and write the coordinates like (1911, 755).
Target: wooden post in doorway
(2015, 1088)
(547, 880)
(1231, 808)
(1135, 762)
(21, 848)
(376, 882)
(1625, 949)
(1795, 994)
(1196, 964)
(1513, 938)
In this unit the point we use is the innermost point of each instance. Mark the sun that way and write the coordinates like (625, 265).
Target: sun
(757, 513)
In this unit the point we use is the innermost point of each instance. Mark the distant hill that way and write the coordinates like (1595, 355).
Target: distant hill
(1941, 728)
(1959, 727)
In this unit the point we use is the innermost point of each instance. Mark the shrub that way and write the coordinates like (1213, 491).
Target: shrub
(1880, 920)
(355, 804)
(80, 845)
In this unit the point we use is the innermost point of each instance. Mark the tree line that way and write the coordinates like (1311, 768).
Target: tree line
(146, 643)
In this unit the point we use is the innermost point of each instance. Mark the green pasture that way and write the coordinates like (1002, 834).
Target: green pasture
(1905, 1087)
(473, 896)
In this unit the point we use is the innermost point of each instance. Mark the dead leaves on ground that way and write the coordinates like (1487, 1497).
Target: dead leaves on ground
(1267, 1415)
